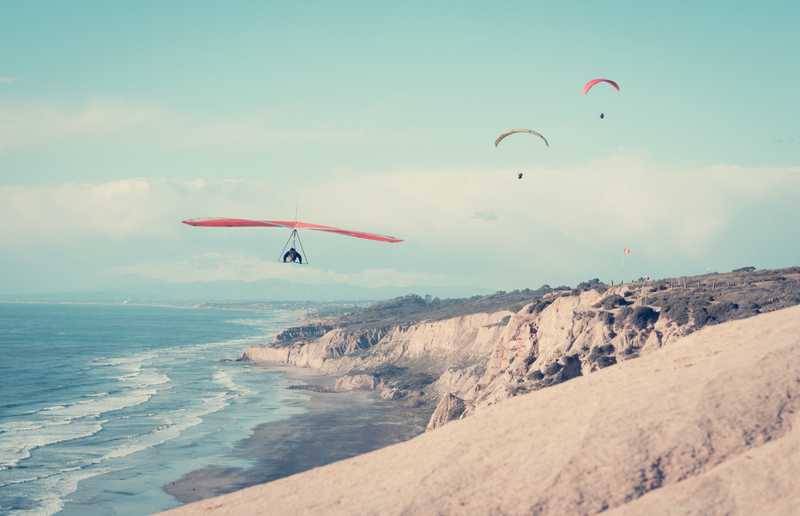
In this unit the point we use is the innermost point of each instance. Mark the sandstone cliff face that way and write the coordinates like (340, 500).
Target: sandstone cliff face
(482, 358)
(319, 353)
(308, 331)
(449, 408)
(430, 347)
(357, 382)
(553, 340)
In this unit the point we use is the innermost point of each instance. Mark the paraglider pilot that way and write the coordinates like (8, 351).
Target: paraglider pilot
(292, 256)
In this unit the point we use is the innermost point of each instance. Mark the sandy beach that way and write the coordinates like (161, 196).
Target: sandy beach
(333, 427)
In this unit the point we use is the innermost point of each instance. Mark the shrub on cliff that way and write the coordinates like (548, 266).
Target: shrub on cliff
(606, 317)
(592, 284)
(601, 356)
(643, 316)
(612, 301)
(539, 305)
(677, 310)
(721, 312)
(700, 317)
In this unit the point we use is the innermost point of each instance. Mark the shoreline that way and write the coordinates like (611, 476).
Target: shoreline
(332, 427)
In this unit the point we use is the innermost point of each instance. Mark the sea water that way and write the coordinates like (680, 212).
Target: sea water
(102, 405)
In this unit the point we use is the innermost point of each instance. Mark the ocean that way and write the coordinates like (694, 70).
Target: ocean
(102, 405)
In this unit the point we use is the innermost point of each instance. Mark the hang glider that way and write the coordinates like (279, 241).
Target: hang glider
(289, 224)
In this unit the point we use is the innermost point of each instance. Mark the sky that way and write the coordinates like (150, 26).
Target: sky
(119, 121)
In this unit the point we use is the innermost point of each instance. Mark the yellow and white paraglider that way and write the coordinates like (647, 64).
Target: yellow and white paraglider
(509, 132)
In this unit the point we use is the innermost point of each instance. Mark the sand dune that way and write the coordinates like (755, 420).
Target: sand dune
(707, 425)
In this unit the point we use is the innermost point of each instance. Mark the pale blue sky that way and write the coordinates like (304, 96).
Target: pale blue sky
(116, 121)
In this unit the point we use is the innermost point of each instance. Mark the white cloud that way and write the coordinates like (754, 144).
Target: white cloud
(35, 125)
(31, 125)
(211, 267)
(553, 218)
(488, 216)
(115, 209)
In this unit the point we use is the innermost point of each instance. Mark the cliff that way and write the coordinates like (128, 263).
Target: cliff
(481, 358)
(709, 425)
(401, 361)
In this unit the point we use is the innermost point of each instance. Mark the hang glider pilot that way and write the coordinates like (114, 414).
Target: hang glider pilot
(292, 256)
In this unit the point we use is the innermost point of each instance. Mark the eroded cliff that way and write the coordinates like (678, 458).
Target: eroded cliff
(471, 361)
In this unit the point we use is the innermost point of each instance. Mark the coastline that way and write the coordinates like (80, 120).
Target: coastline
(693, 426)
(107, 403)
(363, 373)
(330, 427)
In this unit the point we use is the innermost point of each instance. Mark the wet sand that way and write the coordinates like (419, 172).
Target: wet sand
(335, 426)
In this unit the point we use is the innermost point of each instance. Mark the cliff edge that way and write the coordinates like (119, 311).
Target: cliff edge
(469, 354)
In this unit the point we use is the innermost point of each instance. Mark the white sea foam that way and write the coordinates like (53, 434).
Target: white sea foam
(172, 426)
(51, 490)
(19, 438)
(258, 323)
(223, 379)
(70, 421)
(146, 378)
(97, 406)
(234, 344)
(134, 370)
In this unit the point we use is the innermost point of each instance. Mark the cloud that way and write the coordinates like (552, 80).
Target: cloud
(555, 221)
(32, 125)
(488, 216)
(114, 209)
(35, 125)
(211, 267)
(7, 79)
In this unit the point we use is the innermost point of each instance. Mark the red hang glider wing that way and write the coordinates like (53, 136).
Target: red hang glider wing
(291, 224)
(347, 232)
(230, 223)
(589, 85)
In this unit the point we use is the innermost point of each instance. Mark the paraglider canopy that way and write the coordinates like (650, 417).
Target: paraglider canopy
(591, 84)
(509, 132)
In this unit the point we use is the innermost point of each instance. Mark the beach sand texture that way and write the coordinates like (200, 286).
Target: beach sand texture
(707, 425)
